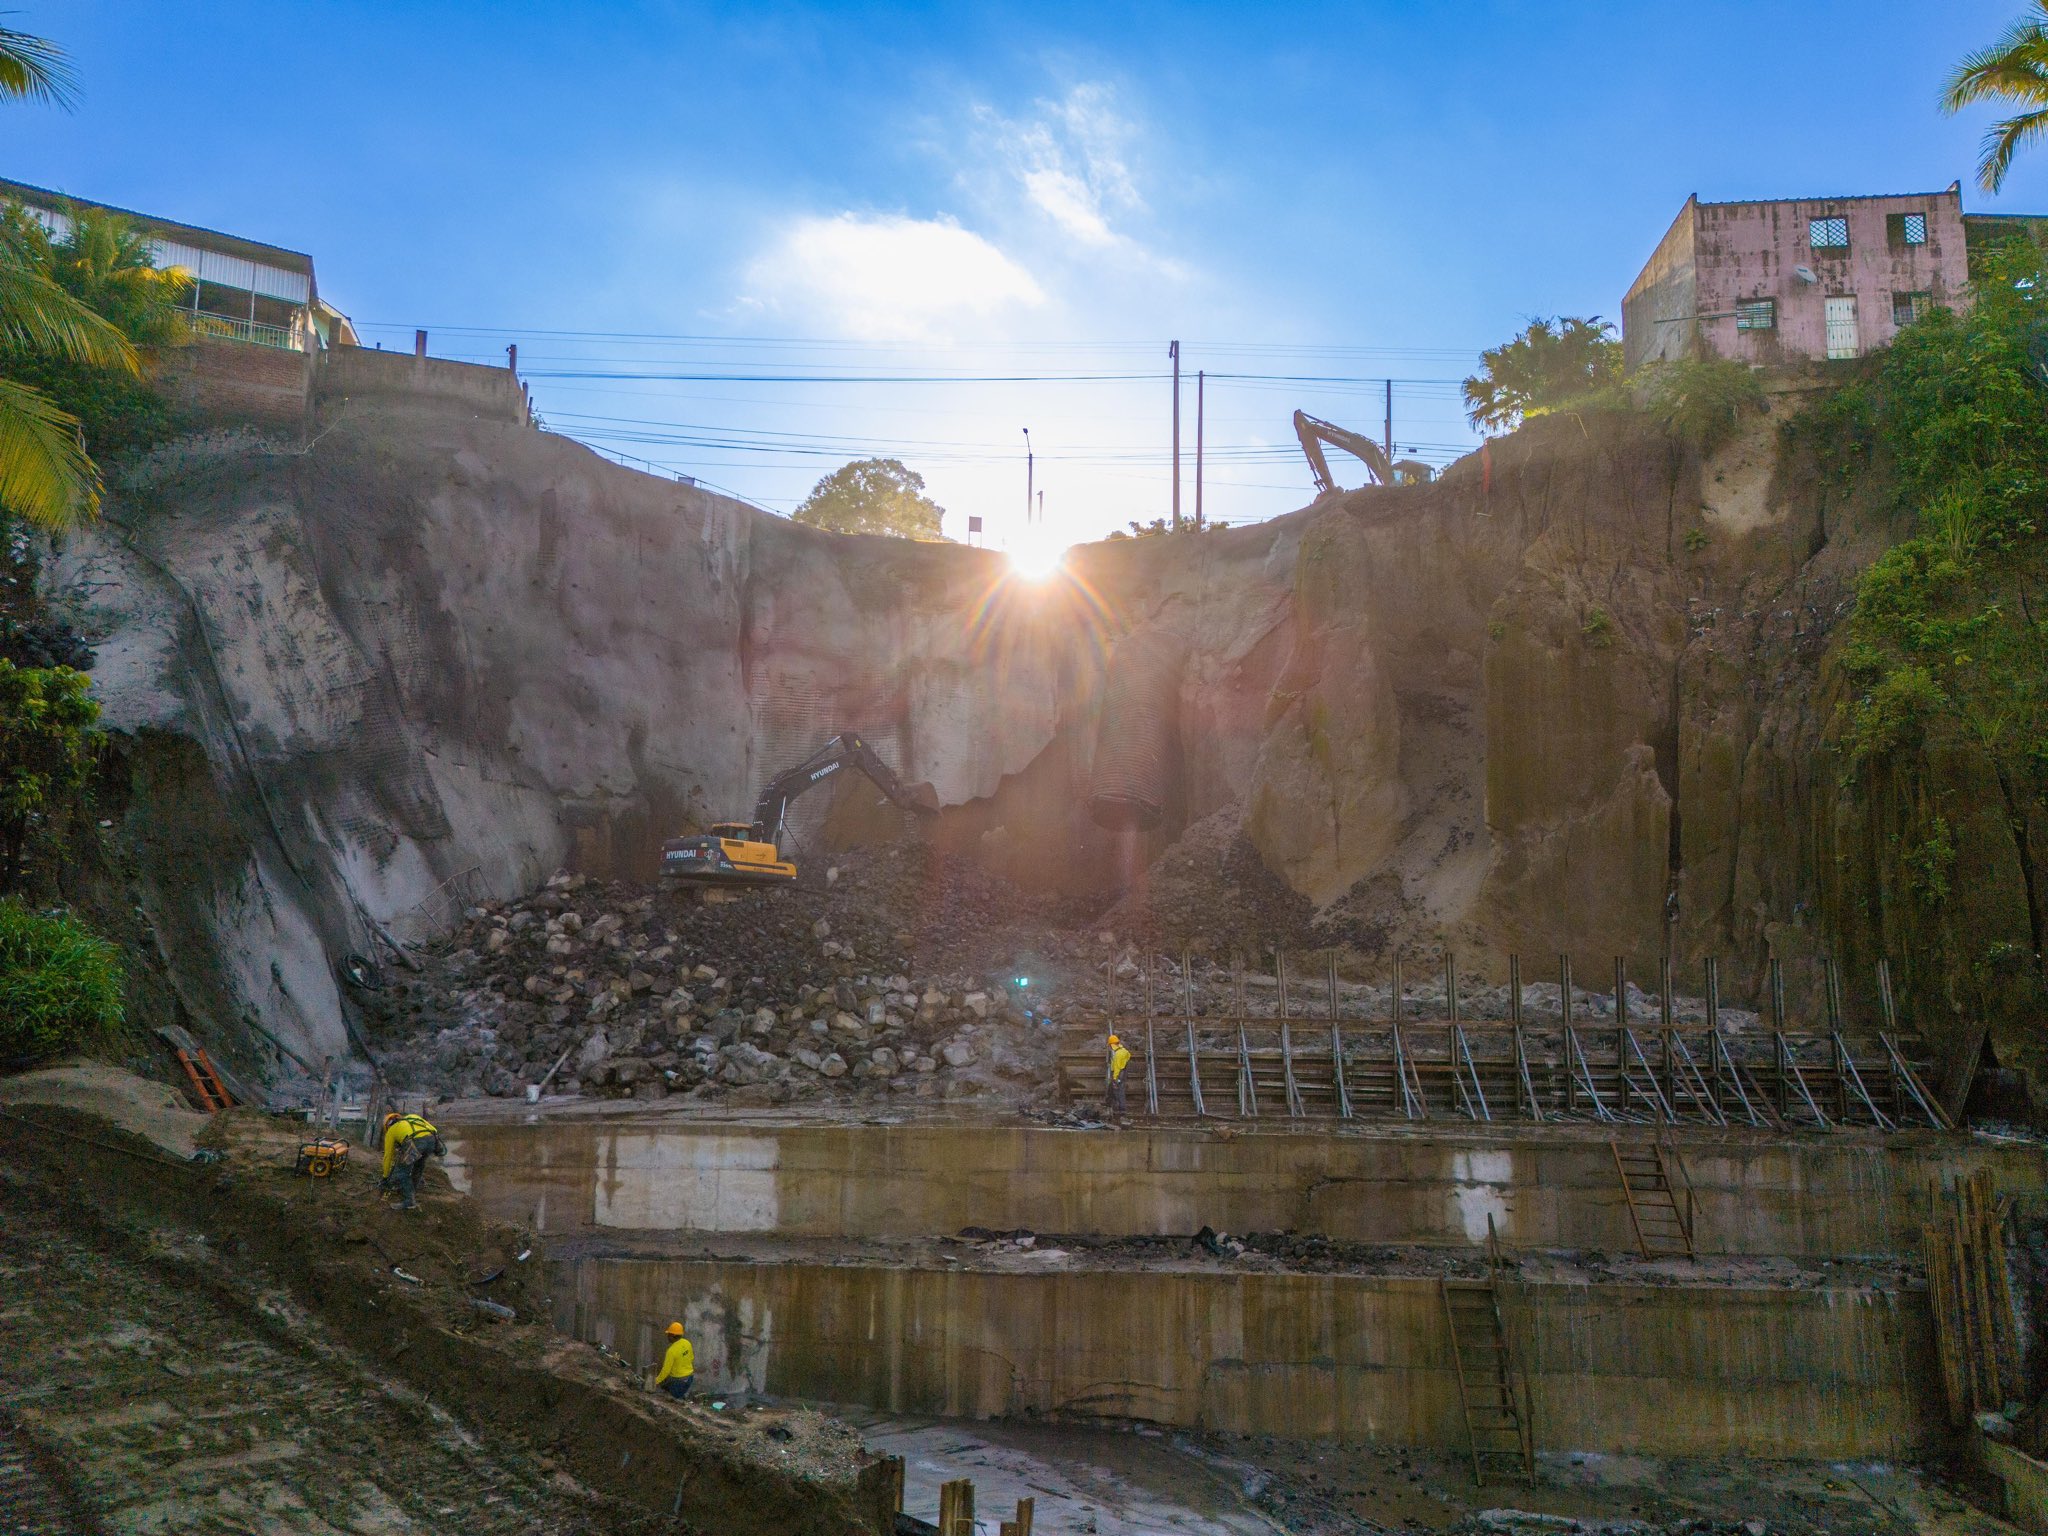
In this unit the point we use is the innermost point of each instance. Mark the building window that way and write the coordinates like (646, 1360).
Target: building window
(1829, 234)
(1756, 314)
(1908, 307)
(1902, 230)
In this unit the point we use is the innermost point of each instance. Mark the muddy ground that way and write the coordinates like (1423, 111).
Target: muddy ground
(221, 1346)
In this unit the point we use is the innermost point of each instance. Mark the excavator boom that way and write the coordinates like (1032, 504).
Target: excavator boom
(1314, 432)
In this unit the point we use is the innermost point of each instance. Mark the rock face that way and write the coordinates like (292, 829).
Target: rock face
(1572, 700)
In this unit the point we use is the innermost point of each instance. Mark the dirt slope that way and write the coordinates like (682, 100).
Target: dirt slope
(223, 1347)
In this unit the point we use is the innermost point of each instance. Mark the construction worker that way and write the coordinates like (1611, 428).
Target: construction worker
(1119, 1058)
(678, 1366)
(409, 1140)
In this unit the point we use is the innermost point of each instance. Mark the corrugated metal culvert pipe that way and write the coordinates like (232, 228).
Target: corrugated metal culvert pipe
(1137, 742)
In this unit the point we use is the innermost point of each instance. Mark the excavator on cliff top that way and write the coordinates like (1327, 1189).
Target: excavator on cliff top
(735, 853)
(1314, 432)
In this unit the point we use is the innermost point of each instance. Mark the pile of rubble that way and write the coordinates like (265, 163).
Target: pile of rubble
(616, 990)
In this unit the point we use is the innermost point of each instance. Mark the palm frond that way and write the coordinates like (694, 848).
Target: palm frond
(38, 316)
(46, 475)
(2003, 143)
(35, 69)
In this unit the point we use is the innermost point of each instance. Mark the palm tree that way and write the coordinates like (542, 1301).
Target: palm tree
(34, 69)
(46, 475)
(2013, 70)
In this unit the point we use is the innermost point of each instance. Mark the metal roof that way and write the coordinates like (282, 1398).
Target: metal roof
(184, 234)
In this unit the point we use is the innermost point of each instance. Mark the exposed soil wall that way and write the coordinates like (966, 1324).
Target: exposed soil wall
(1573, 701)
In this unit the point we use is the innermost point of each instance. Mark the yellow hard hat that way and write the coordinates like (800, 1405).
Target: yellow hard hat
(392, 1119)
(675, 1330)
(1115, 1040)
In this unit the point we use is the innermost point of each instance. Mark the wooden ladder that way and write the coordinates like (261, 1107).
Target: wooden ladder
(205, 1081)
(1659, 1196)
(1497, 1417)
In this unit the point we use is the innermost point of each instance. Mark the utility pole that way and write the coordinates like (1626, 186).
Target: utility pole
(1041, 509)
(1199, 414)
(1030, 474)
(1173, 351)
(1390, 427)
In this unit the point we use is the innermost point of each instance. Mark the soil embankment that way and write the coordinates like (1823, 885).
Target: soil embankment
(222, 1341)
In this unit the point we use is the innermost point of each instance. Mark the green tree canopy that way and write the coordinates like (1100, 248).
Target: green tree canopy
(49, 736)
(2013, 71)
(872, 496)
(1553, 361)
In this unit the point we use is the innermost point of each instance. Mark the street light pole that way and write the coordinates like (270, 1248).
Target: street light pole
(1173, 351)
(1029, 475)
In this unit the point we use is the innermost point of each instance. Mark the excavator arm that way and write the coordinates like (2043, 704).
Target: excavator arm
(1314, 432)
(845, 750)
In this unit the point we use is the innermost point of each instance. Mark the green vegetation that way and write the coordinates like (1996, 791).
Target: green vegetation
(1947, 644)
(49, 738)
(2012, 70)
(59, 985)
(872, 496)
(1551, 362)
(72, 316)
(1597, 628)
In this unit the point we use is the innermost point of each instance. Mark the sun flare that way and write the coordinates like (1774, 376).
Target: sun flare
(1037, 558)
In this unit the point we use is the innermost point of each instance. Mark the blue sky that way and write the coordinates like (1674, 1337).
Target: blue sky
(1026, 203)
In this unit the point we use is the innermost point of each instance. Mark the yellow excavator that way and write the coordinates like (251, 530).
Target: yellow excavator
(750, 853)
(1313, 432)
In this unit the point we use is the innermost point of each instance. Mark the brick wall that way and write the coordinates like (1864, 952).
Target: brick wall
(237, 381)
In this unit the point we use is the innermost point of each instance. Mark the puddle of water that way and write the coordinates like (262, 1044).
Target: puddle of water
(1098, 1482)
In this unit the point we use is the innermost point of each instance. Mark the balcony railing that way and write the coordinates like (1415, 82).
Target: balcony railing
(287, 338)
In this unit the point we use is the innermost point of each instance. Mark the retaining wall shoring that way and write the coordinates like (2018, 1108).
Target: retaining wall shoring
(1678, 1370)
(1835, 1195)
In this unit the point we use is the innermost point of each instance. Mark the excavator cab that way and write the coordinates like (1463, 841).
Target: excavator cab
(749, 853)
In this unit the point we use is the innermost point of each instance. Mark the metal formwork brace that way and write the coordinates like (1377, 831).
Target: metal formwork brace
(1723, 1062)
(1195, 1072)
(1247, 1090)
(1187, 1008)
(1151, 1074)
(1903, 1070)
(1788, 1072)
(1151, 1055)
(1621, 1071)
(1337, 1043)
(1294, 1106)
(1475, 1100)
(1685, 1072)
(1412, 1101)
(1564, 1014)
(1577, 1059)
(1525, 1086)
(1843, 1060)
(1656, 1093)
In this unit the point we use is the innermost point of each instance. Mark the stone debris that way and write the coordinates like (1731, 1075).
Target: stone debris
(781, 995)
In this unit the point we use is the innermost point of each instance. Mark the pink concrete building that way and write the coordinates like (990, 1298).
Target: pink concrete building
(1783, 282)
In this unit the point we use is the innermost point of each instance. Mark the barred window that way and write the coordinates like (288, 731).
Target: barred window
(1908, 307)
(1829, 234)
(1756, 314)
(1905, 229)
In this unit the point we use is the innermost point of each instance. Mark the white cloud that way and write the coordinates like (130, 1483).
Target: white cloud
(888, 277)
(1072, 161)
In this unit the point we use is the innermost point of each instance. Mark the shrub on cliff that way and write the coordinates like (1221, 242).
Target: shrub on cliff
(60, 985)
(1547, 365)
(49, 739)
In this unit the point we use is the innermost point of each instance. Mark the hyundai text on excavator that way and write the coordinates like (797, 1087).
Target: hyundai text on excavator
(742, 853)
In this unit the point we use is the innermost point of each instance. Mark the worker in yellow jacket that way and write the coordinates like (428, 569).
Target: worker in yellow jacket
(1119, 1058)
(409, 1140)
(678, 1366)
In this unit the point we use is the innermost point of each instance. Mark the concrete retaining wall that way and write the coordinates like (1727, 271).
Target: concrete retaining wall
(1681, 1371)
(1834, 1195)
(357, 373)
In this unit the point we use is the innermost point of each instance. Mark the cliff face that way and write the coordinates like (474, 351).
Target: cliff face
(1552, 705)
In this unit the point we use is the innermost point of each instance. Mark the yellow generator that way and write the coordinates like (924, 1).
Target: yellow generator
(319, 1157)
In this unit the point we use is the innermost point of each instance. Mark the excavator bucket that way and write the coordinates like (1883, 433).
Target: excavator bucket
(922, 798)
